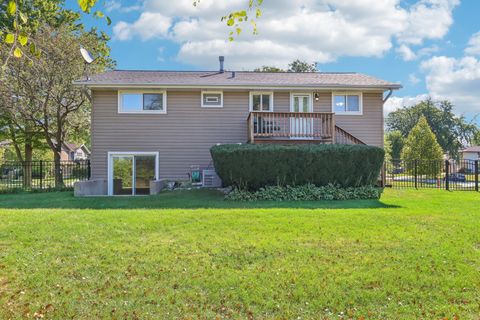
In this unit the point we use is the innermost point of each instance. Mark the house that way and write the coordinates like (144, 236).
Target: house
(471, 153)
(74, 152)
(153, 125)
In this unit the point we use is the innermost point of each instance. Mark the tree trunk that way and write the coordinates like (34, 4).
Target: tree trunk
(27, 164)
(59, 184)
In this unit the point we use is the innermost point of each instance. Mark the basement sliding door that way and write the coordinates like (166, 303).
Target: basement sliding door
(130, 174)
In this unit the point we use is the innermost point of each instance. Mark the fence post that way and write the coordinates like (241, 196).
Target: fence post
(41, 175)
(89, 169)
(476, 175)
(416, 173)
(447, 170)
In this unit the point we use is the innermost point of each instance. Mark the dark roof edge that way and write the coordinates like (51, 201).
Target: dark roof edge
(92, 84)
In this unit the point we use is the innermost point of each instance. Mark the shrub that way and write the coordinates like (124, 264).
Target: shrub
(308, 192)
(255, 166)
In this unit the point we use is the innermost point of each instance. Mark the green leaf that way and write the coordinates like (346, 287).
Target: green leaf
(12, 8)
(23, 39)
(230, 22)
(17, 53)
(83, 5)
(109, 21)
(86, 5)
(99, 14)
(239, 30)
(23, 17)
(9, 38)
(32, 48)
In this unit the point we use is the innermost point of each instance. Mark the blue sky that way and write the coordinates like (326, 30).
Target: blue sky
(430, 46)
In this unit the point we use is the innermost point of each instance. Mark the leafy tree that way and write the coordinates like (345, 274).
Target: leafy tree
(294, 66)
(421, 144)
(452, 132)
(302, 66)
(394, 142)
(57, 108)
(268, 69)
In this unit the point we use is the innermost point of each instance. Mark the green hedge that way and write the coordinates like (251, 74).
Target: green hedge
(250, 166)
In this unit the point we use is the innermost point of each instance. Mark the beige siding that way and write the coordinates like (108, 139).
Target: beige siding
(185, 134)
(367, 127)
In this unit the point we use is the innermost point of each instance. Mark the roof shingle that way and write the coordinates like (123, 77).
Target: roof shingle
(236, 78)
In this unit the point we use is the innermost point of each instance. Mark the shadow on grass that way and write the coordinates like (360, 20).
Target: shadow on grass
(185, 199)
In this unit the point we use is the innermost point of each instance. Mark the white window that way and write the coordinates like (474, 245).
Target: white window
(261, 101)
(347, 103)
(152, 101)
(212, 99)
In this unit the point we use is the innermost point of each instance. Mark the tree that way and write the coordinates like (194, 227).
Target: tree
(20, 18)
(302, 66)
(268, 69)
(55, 106)
(294, 66)
(452, 132)
(394, 142)
(421, 144)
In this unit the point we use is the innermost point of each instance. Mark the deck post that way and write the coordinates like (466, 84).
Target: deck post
(251, 136)
(332, 128)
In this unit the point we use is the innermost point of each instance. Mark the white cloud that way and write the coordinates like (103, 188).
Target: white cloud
(474, 45)
(428, 19)
(454, 79)
(406, 53)
(313, 30)
(115, 5)
(148, 26)
(395, 103)
(413, 79)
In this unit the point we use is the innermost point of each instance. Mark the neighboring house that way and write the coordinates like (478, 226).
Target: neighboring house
(471, 153)
(158, 124)
(74, 152)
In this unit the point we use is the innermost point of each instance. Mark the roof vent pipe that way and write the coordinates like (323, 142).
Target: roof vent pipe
(233, 74)
(221, 59)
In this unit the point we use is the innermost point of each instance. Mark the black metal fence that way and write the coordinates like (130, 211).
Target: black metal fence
(40, 175)
(434, 174)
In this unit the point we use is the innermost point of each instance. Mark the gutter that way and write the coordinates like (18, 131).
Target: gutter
(245, 86)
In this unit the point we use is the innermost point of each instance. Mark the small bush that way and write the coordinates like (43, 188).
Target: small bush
(254, 166)
(308, 192)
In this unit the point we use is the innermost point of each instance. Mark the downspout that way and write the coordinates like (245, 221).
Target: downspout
(388, 95)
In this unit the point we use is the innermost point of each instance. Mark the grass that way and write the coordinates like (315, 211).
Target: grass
(411, 255)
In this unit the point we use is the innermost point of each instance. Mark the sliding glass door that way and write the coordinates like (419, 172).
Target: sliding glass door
(130, 174)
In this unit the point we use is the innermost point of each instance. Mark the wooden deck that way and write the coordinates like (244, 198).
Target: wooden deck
(296, 128)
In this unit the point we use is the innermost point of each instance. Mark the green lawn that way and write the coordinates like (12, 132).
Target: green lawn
(411, 255)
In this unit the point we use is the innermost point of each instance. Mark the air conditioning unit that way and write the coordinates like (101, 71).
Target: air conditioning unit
(211, 179)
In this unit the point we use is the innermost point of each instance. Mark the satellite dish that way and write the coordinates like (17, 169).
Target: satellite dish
(86, 55)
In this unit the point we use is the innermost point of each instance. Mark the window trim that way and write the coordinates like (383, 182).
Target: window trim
(250, 103)
(212, 92)
(348, 93)
(309, 94)
(142, 92)
(111, 154)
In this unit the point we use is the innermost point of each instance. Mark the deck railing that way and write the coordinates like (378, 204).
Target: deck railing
(343, 137)
(291, 125)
